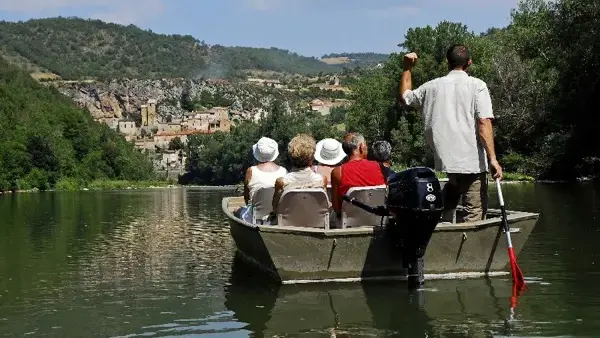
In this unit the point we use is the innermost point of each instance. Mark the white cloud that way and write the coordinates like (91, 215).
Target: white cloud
(118, 11)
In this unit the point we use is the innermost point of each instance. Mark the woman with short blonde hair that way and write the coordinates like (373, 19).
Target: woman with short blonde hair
(301, 151)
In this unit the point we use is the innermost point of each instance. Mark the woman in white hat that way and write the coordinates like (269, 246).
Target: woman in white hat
(262, 175)
(266, 171)
(329, 154)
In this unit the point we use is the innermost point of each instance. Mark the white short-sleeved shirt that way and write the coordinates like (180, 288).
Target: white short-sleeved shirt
(451, 107)
(263, 179)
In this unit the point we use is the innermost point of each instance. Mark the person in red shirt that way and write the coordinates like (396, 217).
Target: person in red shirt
(356, 172)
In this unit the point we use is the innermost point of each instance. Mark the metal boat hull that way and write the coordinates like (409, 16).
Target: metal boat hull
(308, 255)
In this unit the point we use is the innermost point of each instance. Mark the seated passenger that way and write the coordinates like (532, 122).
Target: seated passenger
(382, 152)
(262, 175)
(357, 172)
(329, 154)
(301, 150)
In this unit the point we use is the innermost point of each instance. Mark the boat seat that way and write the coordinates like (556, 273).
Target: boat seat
(353, 216)
(304, 208)
(263, 204)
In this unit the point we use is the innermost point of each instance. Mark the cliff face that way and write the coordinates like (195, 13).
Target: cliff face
(122, 99)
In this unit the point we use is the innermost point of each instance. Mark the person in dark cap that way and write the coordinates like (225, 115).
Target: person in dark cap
(382, 153)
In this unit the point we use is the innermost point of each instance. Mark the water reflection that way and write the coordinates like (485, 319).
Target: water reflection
(116, 261)
(161, 263)
(443, 309)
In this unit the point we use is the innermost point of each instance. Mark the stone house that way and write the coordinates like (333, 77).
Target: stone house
(198, 123)
(171, 160)
(111, 122)
(128, 128)
(324, 106)
(321, 106)
(169, 127)
(144, 144)
(162, 140)
(219, 125)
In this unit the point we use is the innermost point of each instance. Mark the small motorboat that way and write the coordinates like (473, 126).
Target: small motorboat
(401, 237)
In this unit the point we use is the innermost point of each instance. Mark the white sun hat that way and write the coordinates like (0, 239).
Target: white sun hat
(265, 150)
(329, 151)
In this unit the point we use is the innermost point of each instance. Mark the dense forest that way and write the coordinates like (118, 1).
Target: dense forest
(46, 141)
(542, 71)
(78, 48)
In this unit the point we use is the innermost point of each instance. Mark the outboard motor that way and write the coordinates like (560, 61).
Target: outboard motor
(414, 199)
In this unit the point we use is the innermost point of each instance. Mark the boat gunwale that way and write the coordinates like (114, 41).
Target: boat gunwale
(441, 227)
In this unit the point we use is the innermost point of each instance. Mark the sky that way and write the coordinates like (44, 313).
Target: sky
(308, 27)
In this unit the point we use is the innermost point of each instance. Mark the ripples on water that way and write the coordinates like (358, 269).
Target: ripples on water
(162, 263)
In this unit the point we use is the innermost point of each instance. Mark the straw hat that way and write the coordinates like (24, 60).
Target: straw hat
(265, 150)
(329, 151)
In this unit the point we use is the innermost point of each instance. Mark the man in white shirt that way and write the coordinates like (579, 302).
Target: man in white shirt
(457, 113)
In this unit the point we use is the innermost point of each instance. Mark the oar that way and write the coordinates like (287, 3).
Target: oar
(517, 275)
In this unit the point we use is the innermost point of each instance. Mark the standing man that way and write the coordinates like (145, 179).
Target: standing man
(457, 112)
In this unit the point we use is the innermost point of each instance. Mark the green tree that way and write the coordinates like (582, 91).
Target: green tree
(46, 139)
(176, 144)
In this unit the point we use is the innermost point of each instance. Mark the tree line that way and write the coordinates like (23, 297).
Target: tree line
(542, 71)
(46, 140)
(222, 158)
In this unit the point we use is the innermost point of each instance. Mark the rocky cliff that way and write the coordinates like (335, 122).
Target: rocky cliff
(122, 98)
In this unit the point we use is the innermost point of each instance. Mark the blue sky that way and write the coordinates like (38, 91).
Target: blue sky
(309, 27)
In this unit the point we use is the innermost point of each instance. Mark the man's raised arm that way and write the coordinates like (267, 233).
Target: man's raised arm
(406, 95)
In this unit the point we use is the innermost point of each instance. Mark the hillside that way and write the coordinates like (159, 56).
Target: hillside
(45, 139)
(355, 59)
(78, 48)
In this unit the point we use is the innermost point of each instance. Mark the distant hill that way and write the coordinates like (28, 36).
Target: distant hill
(354, 59)
(76, 48)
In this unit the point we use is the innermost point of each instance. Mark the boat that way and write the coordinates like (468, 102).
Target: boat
(296, 254)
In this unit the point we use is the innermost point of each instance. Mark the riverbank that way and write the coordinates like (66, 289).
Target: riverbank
(74, 185)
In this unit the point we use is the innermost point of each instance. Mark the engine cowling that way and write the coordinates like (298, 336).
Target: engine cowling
(414, 198)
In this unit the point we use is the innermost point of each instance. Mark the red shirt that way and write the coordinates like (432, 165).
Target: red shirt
(360, 173)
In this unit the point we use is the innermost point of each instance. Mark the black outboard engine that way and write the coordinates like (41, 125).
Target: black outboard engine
(414, 199)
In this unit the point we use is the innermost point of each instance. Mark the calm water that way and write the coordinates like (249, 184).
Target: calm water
(162, 263)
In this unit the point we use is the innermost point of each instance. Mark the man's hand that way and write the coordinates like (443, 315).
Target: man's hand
(410, 60)
(496, 169)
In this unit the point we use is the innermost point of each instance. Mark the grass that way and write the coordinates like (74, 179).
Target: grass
(507, 176)
(70, 184)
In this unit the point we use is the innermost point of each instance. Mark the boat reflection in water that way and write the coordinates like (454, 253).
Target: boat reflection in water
(473, 307)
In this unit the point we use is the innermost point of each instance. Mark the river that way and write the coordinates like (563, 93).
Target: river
(161, 262)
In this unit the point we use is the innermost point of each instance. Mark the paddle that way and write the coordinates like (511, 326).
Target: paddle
(517, 275)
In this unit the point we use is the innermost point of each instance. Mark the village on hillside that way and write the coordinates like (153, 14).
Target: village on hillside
(166, 138)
